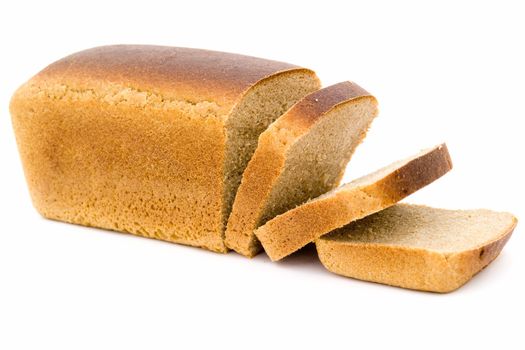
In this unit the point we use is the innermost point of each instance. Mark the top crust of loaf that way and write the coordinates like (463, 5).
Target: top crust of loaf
(316, 105)
(186, 74)
(299, 119)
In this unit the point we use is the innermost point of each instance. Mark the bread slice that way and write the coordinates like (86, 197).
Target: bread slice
(301, 155)
(296, 228)
(417, 247)
(149, 140)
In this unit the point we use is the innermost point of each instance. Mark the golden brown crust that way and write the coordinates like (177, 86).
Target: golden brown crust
(111, 166)
(294, 229)
(313, 107)
(187, 74)
(132, 138)
(406, 267)
(269, 159)
(412, 176)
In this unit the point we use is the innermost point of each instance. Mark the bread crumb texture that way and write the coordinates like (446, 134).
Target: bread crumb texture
(417, 247)
(301, 155)
(292, 230)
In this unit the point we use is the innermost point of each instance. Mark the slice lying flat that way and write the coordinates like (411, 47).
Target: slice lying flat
(294, 229)
(417, 247)
(302, 155)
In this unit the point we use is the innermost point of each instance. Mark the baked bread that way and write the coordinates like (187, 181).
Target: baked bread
(296, 228)
(300, 156)
(148, 140)
(417, 247)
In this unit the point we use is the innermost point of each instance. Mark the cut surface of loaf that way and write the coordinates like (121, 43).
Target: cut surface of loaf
(149, 140)
(417, 247)
(300, 156)
(294, 229)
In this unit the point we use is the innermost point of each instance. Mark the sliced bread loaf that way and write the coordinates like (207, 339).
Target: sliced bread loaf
(300, 156)
(149, 140)
(417, 247)
(296, 228)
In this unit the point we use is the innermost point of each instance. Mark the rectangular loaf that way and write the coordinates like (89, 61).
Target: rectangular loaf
(148, 140)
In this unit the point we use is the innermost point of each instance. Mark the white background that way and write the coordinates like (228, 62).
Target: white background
(451, 71)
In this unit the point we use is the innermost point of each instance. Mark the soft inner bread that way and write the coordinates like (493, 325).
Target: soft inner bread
(300, 156)
(149, 140)
(316, 162)
(417, 247)
(301, 225)
(260, 106)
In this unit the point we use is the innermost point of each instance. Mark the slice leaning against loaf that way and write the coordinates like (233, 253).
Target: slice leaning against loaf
(294, 229)
(417, 247)
(300, 156)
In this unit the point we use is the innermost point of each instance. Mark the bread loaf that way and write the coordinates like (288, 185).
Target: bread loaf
(294, 229)
(166, 142)
(417, 247)
(148, 140)
(301, 155)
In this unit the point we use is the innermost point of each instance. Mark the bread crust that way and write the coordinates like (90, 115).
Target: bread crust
(132, 138)
(294, 229)
(313, 107)
(409, 267)
(186, 74)
(269, 159)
